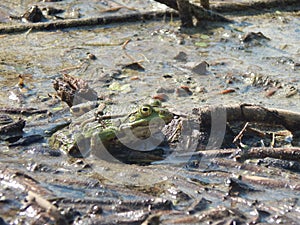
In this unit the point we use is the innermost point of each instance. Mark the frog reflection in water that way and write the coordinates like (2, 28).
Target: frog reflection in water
(139, 125)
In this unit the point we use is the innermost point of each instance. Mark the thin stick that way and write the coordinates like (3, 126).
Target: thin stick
(240, 135)
(125, 43)
(114, 9)
(48, 206)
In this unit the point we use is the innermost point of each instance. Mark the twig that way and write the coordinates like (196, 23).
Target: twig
(25, 111)
(240, 135)
(219, 153)
(125, 43)
(277, 153)
(272, 144)
(134, 63)
(268, 177)
(48, 206)
(114, 9)
(270, 182)
(101, 20)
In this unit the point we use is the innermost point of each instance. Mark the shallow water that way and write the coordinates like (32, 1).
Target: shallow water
(42, 56)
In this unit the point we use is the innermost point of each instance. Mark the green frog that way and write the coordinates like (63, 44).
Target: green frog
(78, 138)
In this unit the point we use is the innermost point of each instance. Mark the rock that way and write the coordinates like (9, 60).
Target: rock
(183, 91)
(181, 56)
(198, 68)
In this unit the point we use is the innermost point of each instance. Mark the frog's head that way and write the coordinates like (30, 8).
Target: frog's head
(148, 112)
(147, 119)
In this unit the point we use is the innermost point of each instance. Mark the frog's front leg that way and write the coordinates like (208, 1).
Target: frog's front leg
(100, 142)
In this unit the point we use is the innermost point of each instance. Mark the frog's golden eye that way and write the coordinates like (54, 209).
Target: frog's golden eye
(146, 110)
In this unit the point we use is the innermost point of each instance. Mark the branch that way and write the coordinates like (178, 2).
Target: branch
(187, 10)
(291, 154)
(101, 20)
(253, 113)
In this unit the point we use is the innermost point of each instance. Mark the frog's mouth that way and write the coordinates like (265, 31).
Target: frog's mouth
(143, 129)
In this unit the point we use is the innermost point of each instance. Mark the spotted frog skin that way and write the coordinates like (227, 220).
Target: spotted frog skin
(76, 138)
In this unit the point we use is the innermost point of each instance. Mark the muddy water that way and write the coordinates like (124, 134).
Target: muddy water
(43, 55)
(249, 69)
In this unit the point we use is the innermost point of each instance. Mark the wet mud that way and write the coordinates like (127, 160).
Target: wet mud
(251, 176)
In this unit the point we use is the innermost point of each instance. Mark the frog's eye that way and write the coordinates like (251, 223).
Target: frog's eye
(146, 110)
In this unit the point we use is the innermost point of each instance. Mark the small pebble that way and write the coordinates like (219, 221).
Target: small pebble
(91, 56)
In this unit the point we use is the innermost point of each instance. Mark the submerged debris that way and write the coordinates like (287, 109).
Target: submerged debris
(34, 14)
(188, 10)
(51, 210)
(181, 57)
(182, 180)
(134, 66)
(251, 36)
(52, 11)
(27, 140)
(5, 119)
(22, 111)
(73, 90)
(13, 127)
